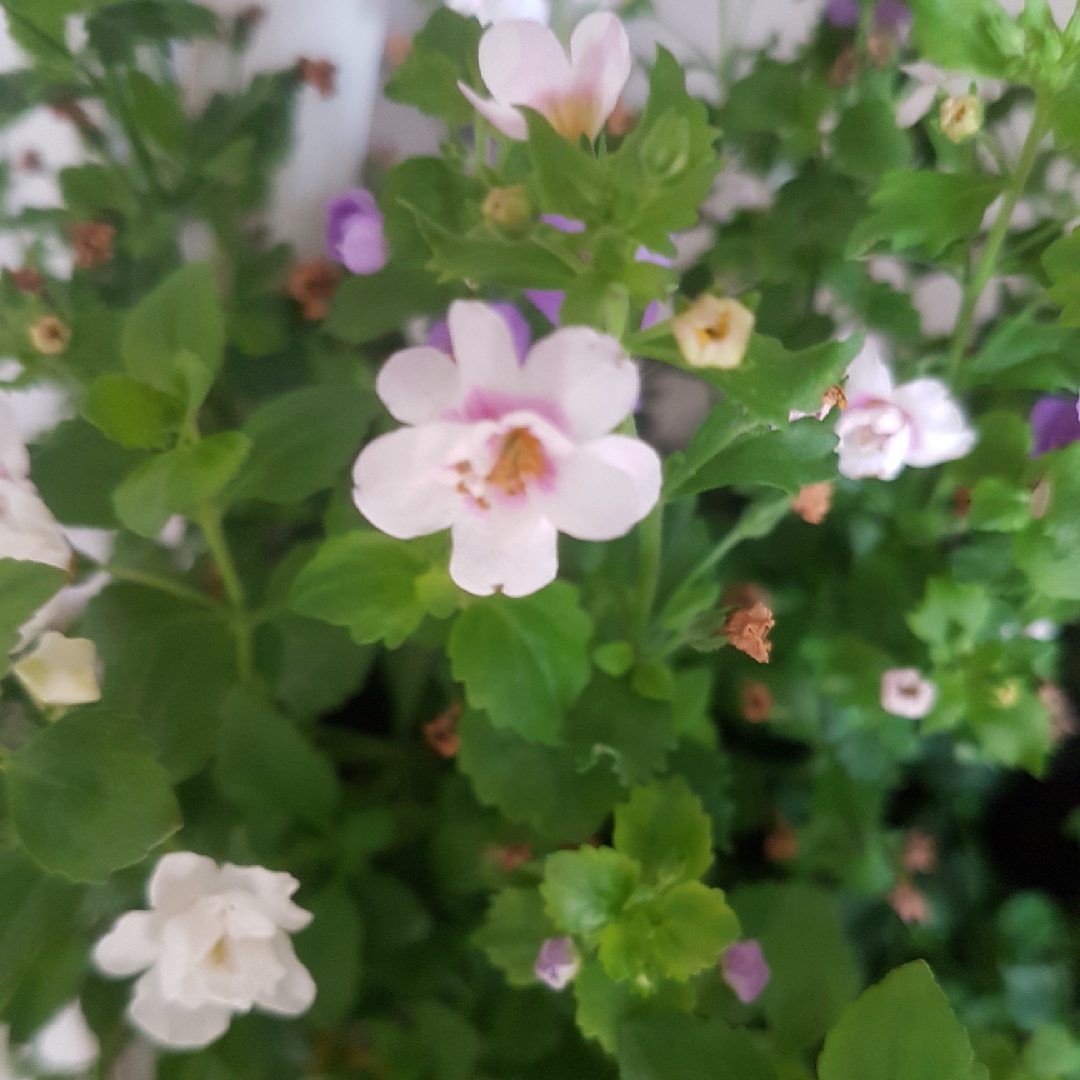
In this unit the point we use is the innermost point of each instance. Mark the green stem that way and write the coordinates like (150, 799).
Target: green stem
(208, 519)
(987, 265)
(165, 585)
(650, 546)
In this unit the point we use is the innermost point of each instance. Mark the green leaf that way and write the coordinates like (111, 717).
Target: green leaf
(331, 948)
(866, 141)
(178, 481)
(378, 587)
(90, 190)
(514, 929)
(1047, 550)
(952, 618)
(158, 112)
(586, 889)
(167, 662)
(524, 661)
(131, 413)
(900, 1029)
(724, 424)
(265, 765)
(24, 588)
(183, 314)
(88, 797)
(116, 32)
(601, 1004)
(302, 441)
(966, 35)
(999, 506)
(367, 306)
(665, 828)
(573, 182)
(671, 1046)
(1061, 260)
(924, 210)
(534, 784)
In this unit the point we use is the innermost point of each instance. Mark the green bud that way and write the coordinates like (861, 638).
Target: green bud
(666, 150)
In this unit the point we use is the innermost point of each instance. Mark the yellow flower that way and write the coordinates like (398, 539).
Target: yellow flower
(961, 117)
(61, 671)
(714, 333)
(49, 335)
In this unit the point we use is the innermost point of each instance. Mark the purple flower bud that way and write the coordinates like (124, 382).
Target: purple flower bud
(439, 334)
(645, 255)
(354, 232)
(563, 224)
(549, 301)
(654, 313)
(745, 971)
(1054, 424)
(557, 962)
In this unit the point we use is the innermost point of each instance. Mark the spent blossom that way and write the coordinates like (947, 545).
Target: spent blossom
(505, 454)
(744, 969)
(214, 943)
(557, 963)
(748, 631)
(354, 232)
(61, 671)
(523, 64)
(904, 692)
(886, 427)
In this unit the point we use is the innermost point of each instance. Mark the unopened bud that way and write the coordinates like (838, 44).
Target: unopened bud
(49, 335)
(714, 333)
(666, 149)
(507, 205)
(961, 117)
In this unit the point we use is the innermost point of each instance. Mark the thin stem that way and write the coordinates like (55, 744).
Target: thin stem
(987, 265)
(650, 541)
(165, 585)
(480, 137)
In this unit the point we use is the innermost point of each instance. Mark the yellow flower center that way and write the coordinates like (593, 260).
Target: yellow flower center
(521, 459)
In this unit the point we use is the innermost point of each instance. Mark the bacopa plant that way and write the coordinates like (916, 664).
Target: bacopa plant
(397, 685)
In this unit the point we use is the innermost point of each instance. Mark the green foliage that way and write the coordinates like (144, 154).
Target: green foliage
(24, 587)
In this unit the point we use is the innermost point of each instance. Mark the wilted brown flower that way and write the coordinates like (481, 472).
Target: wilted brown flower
(622, 120)
(782, 843)
(909, 903)
(920, 852)
(813, 502)
(320, 74)
(962, 501)
(756, 702)
(510, 857)
(748, 630)
(398, 49)
(845, 68)
(442, 733)
(28, 280)
(92, 241)
(49, 335)
(313, 284)
(1063, 721)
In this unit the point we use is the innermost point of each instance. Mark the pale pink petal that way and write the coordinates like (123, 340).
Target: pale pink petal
(14, 460)
(180, 878)
(639, 461)
(515, 553)
(171, 1025)
(273, 890)
(916, 105)
(295, 990)
(939, 430)
(505, 118)
(587, 375)
(591, 499)
(522, 63)
(868, 375)
(873, 442)
(419, 385)
(28, 531)
(130, 946)
(402, 484)
(600, 61)
(483, 346)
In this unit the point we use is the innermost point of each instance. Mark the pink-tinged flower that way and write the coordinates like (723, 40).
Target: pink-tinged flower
(489, 11)
(522, 63)
(557, 963)
(439, 334)
(886, 427)
(904, 692)
(744, 970)
(354, 232)
(1055, 424)
(508, 455)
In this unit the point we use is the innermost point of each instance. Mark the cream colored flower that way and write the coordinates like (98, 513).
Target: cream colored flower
(714, 332)
(49, 335)
(61, 671)
(961, 117)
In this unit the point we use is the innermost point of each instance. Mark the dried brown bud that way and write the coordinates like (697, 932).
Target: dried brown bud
(1040, 499)
(320, 74)
(845, 69)
(920, 852)
(756, 702)
(28, 280)
(313, 285)
(398, 49)
(622, 120)
(909, 903)
(813, 502)
(511, 857)
(1063, 721)
(748, 630)
(962, 502)
(782, 843)
(93, 244)
(442, 733)
(49, 335)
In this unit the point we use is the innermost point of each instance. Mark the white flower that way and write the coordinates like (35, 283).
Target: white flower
(904, 692)
(8, 1070)
(214, 943)
(65, 1045)
(886, 427)
(522, 63)
(1041, 630)
(28, 531)
(931, 81)
(508, 455)
(489, 11)
(61, 671)
(714, 332)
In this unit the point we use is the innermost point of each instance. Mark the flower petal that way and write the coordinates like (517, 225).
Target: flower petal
(868, 376)
(65, 1044)
(588, 375)
(130, 946)
(14, 459)
(522, 63)
(483, 347)
(940, 432)
(171, 1025)
(179, 879)
(503, 551)
(295, 991)
(28, 531)
(506, 118)
(600, 62)
(419, 385)
(272, 889)
(639, 461)
(916, 105)
(401, 482)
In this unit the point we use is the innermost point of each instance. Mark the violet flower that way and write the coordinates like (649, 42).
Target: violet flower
(354, 232)
(557, 963)
(890, 13)
(744, 970)
(1055, 424)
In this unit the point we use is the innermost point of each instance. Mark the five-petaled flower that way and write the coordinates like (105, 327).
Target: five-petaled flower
(354, 232)
(904, 692)
(886, 427)
(505, 454)
(714, 332)
(745, 970)
(523, 64)
(215, 942)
